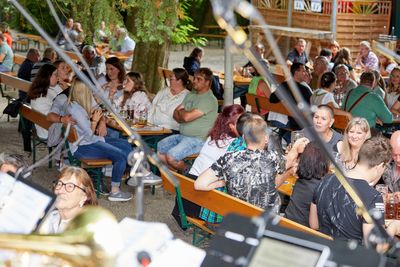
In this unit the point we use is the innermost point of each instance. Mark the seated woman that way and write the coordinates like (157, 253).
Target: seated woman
(357, 131)
(115, 77)
(134, 93)
(313, 166)
(74, 190)
(93, 146)
(386, 65)
(344, 58)
(219, 138)
(393, 91)
(167, 99)
(379, 86)
(323, 120)
(42, 92)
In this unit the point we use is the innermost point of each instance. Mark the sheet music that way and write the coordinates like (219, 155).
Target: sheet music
(21, 205)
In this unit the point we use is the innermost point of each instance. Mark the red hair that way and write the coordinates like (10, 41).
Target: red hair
(221, 129)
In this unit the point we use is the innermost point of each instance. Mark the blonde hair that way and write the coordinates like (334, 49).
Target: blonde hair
(81, 94)
(391, 88)
(346, 149)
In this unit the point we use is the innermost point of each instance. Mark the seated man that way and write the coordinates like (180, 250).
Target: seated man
(298, 54)
(391, 176)
(123, 45)
(96, 63)
(6, 55)
(362, 102)
(333, 211)
(49, 56)
(366, 58)
(253, 174)
(196, 116)
(25, 69)
(300, 75)
(321, 65)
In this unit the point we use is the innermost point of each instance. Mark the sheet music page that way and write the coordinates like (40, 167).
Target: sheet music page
(21, 206)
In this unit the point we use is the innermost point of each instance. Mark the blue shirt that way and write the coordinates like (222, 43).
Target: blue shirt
(82, 126)
(8, 61)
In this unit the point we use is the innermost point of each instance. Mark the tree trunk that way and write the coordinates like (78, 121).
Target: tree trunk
(147, 58)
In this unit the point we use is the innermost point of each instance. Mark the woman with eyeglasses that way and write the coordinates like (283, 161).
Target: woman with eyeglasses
(74, 190)
(167, 99)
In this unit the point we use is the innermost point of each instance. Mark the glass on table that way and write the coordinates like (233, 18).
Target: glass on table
(296, 135)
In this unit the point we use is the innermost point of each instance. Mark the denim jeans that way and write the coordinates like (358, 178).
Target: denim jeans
(116, 150)
(179, 146)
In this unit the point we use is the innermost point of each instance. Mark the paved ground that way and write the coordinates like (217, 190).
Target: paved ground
(158, 206)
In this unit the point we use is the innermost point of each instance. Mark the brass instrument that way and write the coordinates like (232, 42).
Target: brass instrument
(91, 239)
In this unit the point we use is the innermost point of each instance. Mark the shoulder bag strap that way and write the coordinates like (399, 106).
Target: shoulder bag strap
(358, 100)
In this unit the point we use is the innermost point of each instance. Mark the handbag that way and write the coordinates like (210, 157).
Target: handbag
(12, 108)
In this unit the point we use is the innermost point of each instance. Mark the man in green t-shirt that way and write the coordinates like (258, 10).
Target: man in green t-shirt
(196, 116)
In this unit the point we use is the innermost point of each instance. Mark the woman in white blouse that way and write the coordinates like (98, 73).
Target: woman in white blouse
(42, 92)
(115, 76)
(134, 94)
(167, 99)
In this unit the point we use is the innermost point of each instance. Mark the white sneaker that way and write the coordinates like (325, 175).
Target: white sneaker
(151, 179)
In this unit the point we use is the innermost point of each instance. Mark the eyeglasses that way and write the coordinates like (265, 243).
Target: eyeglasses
(69, 187)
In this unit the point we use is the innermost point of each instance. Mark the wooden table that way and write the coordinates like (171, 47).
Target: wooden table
(238, 80)
(121, 57)
(149, 130)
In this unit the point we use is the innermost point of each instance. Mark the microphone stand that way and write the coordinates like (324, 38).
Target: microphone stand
(301, 111)
(133, 136)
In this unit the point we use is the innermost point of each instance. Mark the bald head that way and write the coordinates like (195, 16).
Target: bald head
(395, 144)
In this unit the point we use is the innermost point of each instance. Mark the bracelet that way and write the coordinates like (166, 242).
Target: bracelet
(60, 118)
(95, 122)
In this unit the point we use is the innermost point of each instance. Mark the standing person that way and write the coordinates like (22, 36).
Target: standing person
(313, 166)
(362, 102)
(93, 146)
(355, 134)
(74, 190)
(298, 54)
(333, 211)
(24, 71)
(366, 58)
(6, 55)
(196, 116)
(168, 99)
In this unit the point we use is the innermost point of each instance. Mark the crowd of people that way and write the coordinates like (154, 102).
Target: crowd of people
(233, 147)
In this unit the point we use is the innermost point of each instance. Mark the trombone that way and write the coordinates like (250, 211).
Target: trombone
(91, 239)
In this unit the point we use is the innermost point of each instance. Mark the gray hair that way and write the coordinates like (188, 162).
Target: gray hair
(88, 48)
(15, 160)
(341, 66)
(366, 44)
(255, 129)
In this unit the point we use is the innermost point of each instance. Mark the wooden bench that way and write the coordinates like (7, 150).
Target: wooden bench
(260, 102)
(92, 166)
(36, 118)
(220, 203)
(9, 81)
